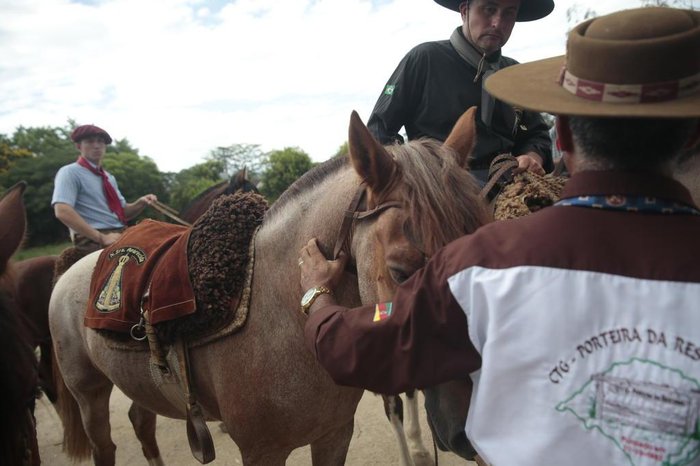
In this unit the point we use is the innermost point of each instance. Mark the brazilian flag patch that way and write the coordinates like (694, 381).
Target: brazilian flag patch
(382, 311)
(389, 89)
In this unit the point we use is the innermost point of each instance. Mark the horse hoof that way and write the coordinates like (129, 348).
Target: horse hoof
(422, 458)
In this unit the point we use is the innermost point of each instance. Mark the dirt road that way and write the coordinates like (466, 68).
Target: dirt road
(373, 442)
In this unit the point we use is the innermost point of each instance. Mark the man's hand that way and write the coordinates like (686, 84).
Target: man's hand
(107, 239)
(148, 199)
(316, 270)
(529, 162)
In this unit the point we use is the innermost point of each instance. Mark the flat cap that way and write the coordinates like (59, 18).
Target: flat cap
(86, 131)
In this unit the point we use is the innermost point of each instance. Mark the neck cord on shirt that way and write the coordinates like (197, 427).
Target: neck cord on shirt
(472, 42)
(622, 203)
(484, 68)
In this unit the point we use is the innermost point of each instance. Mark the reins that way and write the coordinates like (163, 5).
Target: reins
(169, 212)
(342, 242)
(500, 174)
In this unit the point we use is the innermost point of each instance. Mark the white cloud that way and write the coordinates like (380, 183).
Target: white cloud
(181, 77)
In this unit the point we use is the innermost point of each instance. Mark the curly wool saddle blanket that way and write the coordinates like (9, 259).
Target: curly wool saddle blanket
(527, 193)
(188, 280)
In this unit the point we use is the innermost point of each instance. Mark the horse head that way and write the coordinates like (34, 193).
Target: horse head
(13, 221)
(18, 443)
(197, 206)
(436, 202)
(431, 197)
(239, 182)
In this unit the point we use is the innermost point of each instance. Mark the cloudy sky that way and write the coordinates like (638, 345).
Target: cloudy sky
(178, 78)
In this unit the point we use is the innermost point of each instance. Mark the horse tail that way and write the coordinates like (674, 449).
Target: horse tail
(75, 440)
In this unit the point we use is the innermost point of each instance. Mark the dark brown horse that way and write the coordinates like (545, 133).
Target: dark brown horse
(18, 377)
(33, 284)
(261, 382)
(201, 203)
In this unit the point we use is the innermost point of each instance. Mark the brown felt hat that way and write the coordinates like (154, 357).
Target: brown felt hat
(638, 63)
(86, 131)
(529, 10)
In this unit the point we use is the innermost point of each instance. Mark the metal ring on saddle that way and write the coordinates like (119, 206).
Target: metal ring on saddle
(138, 331)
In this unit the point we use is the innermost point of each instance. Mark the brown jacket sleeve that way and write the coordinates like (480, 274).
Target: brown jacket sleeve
(422, 343)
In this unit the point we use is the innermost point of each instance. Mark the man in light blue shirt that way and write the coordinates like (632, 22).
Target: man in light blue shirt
(87, 199)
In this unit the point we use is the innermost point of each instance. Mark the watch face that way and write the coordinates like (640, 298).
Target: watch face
(308, 296)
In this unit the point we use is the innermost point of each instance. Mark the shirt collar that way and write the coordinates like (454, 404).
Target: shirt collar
(605, 183)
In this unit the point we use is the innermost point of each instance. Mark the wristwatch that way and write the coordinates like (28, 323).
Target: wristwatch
(310, 296)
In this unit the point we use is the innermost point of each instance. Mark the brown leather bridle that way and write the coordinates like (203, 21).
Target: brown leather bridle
(352, 214)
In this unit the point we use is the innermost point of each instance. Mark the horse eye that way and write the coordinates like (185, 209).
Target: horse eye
(398, 275)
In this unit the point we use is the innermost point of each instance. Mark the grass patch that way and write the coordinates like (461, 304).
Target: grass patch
(45, 250)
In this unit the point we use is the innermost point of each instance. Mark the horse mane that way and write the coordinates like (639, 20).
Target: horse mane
(309, 179)
(433, 180)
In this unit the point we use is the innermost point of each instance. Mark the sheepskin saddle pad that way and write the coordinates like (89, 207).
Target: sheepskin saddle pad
(527, 193)
(66, 259)
(186, 281)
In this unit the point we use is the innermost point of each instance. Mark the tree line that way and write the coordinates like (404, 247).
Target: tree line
(34, 155)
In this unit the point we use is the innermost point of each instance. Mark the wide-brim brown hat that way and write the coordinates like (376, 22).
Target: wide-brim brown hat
(529, 10)
(639, 63)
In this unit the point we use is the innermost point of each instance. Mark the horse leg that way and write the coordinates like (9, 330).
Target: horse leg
(46, 371)
(393, 408)
(84, 409)
(332, 448)
(419, 453)
(144, 422)
(266, 457)
(94, 410)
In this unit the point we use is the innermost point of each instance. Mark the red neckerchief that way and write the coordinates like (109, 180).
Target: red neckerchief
(110, 193)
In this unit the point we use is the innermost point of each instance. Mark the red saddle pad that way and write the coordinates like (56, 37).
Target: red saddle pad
(151, 254)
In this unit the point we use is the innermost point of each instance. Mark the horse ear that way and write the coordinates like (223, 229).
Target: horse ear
(462, 138)
(241, 176)
(12, 221)
(371, 161)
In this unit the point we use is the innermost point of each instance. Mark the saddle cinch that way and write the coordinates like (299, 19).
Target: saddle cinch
(162, 284)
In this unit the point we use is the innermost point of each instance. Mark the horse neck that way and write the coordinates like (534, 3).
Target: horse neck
(199, 205)
(315, 213)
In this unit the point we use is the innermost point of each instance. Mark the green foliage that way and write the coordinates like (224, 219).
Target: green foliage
(44, 250)
(576, 14)
(343, 150)
(136, 176)
(50, 149)
(238, 156)
(39, 171)
(9, 153)
(188, 183)
(282, 169)
(35, 154)
(121, 145)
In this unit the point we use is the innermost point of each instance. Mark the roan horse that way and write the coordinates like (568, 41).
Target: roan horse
(34, 280)
(261, 382)
(18, 445)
